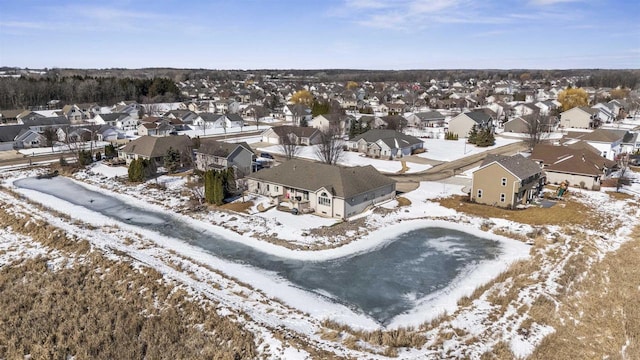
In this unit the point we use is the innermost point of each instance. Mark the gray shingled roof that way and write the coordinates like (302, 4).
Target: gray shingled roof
(430, 115)
(299, 131)
(39, 121)
(517, 164)
(393, 139)
(479, 117)
(153, 146)
(9, 132)
(605, 135)
(343, 182)
(220, 148)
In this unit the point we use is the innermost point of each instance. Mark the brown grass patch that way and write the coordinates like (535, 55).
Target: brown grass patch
(89, 314)
(605, 307)
(403, 201)
(567, 212)
(238, 206)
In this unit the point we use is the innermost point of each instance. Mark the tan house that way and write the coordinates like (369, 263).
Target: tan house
(506, 181)
(295, 134)
(579, 118)
(325, 190)
(154, 148)
(461, 125)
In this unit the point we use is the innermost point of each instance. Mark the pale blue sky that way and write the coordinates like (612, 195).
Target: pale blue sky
(301, 34)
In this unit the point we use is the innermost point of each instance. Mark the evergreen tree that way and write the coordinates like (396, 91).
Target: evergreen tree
(473, 135)
(172, 160)
(218, 188)
(230, 182)
(135, 171)
(485, 138)
(110, 151)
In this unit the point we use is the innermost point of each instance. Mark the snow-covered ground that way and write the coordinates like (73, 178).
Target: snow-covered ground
(280, 306)
(449, 150)
(63, 148)
(351, 158)
(199, 131)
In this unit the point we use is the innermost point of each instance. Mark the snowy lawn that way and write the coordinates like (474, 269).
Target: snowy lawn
(351, 158)
(449, 150)
(63, 148)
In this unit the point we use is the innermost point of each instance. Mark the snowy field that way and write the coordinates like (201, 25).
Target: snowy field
(198, 131)
(63, 148)
(351, 158)
(449, 150)
(279, 305)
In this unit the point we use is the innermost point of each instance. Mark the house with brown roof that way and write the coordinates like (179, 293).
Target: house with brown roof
(219, 155)
(325, 190)
(579, 118)
(155, 148)
(506, 181)
(294, 134)
(579, 164)
(608, 142)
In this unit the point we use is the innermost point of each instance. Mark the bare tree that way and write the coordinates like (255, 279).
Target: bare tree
(289, 146)
(623, 163)
(258, 113)
(536, 127)
(50, 136)
(330, 149)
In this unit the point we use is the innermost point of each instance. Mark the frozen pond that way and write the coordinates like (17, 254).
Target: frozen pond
(382, 283)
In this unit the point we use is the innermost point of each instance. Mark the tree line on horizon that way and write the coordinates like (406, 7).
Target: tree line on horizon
(108, 86)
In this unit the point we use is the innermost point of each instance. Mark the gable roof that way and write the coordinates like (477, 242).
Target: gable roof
(341, 181)
(299, 131)
(430, 116)
(517, 164)
(9, 132)
(575, 159)
(153, 146)
(220, 148)
(40, 121)
(113, 116)
(480, 117)
(604, 135)
(393, 139)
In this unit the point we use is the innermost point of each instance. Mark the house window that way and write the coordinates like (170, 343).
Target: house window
(268, 187)
(503, 197)
(479, 193)
(324, 200)
(503, 181)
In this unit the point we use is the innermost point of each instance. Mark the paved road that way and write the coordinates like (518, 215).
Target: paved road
(12, 158)
(407, 182)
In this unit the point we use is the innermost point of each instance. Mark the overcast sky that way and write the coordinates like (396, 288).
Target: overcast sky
(316, 34)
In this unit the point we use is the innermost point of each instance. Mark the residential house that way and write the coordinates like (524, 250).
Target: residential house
(154, 148)
(8, 134)
(218, 155)
(523, 109)
(607, 141)
(605, 112)
(526, 124)
(326, 190)
(579, 164)
(38, 124)
(461, 125)
(338, 122)
(73, 113)
(110, 133)
(292, 134)
(28, 138)
(506, 181)
(121, 120)
(9, 116)
(297, 114)
(426, 119)
(579, 118)
(372, 122)
(386, 144)
(155, 126)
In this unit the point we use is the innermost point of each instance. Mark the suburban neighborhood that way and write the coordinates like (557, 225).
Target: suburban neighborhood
(321, 172)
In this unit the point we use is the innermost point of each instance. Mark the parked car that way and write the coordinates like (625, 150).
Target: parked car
(266, 155)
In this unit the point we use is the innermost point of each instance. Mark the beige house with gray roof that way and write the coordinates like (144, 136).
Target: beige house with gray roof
(325, 190)
(506, 181)
(154, 148)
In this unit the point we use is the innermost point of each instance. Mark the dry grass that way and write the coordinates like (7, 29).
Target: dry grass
(403, 201)
(89, 314)
(567, 212)
(605, 307)
(238, 206)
